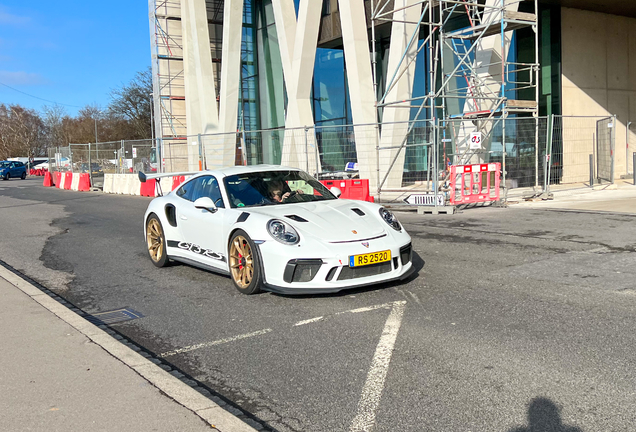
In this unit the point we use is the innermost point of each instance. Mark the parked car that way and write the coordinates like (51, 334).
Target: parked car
(12, 169)
(275, 228)
(95, 168)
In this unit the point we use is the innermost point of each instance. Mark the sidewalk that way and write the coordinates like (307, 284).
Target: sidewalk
(58, 372)
(617, 198)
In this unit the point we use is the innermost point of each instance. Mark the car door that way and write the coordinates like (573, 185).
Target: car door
(202, 230)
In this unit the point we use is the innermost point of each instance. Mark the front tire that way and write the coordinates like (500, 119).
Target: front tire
(156, 242)
(245, 267)
(7, 176)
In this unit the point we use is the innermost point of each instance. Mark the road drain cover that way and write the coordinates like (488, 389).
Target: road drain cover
(114, 316)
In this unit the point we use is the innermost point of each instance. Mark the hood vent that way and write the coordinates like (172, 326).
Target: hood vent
(358, 211)
(296, 218)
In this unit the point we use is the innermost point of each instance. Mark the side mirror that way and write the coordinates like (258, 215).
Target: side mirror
(206, 203)
(334, 190)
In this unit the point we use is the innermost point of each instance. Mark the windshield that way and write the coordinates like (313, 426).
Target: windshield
(4, 164)
(273, 188)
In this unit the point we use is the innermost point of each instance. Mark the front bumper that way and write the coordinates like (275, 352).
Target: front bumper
(327, 290)
(310, 271)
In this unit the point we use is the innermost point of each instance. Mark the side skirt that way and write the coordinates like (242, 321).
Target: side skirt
(199, 265)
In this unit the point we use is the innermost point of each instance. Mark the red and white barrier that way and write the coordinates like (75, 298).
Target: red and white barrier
(353, 189)
(129, 184)
(60, 178)
(48, 180)
(474, 183)
(70, 181)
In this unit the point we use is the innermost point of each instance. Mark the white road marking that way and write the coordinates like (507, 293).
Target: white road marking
(372, 391)
(368, 308)
(358, 310)
(299, 323)
(262, 332)
(213, 343)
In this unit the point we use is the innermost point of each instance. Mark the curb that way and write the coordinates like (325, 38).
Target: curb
(180, 392)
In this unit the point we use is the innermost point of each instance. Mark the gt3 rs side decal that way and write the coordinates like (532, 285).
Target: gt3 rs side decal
(196, 249)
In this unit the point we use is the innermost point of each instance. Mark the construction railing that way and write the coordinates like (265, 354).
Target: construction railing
(115, 157)
(397, 158)
(630, 148)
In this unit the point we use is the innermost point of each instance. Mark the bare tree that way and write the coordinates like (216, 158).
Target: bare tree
(26, 133)
(56, 123)
(22, 132)
(132, 103)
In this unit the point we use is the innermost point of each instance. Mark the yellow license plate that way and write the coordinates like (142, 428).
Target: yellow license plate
(369, 258)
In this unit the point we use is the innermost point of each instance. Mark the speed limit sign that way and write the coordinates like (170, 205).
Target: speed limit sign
(475, 140)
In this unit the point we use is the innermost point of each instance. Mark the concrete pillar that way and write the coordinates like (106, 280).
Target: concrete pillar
(360, 80)
(298, 39)
(230, 78)
(200, 94)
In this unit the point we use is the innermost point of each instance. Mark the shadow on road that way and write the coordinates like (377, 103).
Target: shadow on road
(544, 416)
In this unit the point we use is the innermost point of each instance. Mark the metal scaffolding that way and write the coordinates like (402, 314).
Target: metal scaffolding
(167, 68)
(473, 84)
(166, 35)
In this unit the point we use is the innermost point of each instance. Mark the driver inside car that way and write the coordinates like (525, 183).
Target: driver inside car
(279, 191)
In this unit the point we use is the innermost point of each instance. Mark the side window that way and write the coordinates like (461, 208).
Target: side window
(211, 189)
(185, 191)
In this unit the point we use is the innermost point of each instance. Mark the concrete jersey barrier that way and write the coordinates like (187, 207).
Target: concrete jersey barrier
(129, 184)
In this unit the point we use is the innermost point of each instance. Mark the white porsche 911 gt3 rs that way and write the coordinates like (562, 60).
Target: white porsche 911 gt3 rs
(276, 228)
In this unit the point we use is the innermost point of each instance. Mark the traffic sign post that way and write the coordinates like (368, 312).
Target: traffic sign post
(425, 200)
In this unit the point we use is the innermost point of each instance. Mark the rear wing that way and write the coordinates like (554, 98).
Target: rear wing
(143, 178)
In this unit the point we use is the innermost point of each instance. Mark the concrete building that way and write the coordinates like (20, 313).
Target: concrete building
(399, 86)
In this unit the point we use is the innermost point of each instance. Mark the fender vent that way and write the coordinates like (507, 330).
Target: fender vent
(243, 217)
(171, 215)
(358, 211)
(296, 218)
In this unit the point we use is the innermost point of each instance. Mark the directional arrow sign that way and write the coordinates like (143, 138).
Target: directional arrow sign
(425, 199)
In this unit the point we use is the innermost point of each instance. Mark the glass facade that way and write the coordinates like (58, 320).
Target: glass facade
(264, 99)
(248, 107)
(271, 86)
(332, 108)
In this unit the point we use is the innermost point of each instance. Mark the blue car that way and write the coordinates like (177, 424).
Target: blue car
(12, 169)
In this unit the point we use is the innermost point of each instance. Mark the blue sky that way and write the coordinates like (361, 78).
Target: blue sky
(70, 52)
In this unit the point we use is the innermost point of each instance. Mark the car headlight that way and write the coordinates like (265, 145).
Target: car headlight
(282, 232)
(390, 218)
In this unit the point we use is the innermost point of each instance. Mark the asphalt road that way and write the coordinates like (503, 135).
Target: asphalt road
(518, 319)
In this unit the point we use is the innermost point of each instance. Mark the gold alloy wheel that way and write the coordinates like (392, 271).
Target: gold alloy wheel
(154, 238)
(241, 262)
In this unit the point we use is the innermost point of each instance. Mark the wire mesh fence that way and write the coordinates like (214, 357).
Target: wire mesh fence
(519, 144)
(605, 149)
(573, 140)
(534, 152)
(630, 148)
